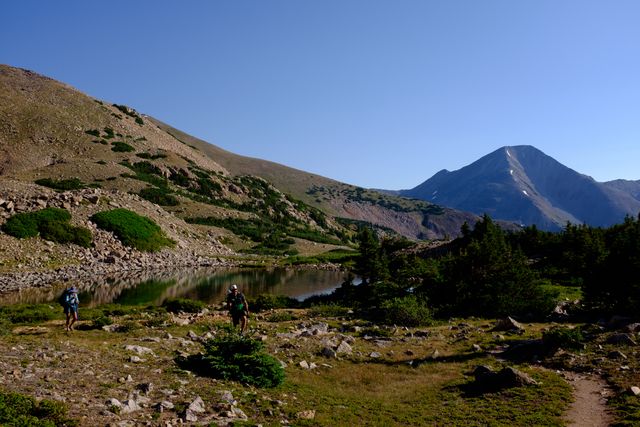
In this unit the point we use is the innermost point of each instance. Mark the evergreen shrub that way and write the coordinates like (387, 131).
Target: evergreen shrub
(51, 224)
(159, 196)
(132, 229)
(176, 305)
(236, 358)
(406, 311)
(121, 147)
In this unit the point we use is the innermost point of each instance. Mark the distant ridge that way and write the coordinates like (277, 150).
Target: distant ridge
(524, 185)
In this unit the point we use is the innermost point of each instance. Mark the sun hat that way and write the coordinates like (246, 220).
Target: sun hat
(233, 288)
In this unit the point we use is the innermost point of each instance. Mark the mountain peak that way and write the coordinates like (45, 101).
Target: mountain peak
(523, 184)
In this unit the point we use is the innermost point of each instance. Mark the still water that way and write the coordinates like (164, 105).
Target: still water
(208, 285)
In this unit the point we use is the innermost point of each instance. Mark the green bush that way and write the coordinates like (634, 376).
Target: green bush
(328, 310)
(237, 358)
(406, 311)
(281, 316)
(62, 184)
(567, 338)
(51, 224)
(29, 313)
(159, 196)
(132, 229)
(101, 321)
(269, 301)
(121, 147)
(176, 305)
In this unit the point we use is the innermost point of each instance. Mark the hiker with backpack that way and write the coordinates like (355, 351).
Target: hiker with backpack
(69, 301)
(238, 308)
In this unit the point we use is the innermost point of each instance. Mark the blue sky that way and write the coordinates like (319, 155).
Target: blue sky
(374, 93)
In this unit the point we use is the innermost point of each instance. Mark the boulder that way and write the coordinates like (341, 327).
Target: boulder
(621, 339)
(344, 348)
(486, 380)
(634, 391)
(329, 352)
(507, 324)
(306, 415)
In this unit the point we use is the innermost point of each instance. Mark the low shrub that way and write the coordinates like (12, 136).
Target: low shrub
(62, 184)
(121, 147)
(132, 229)
(269, 301)
(176, 305)
(236, 358)
(328, 310)
(281, 316)
(406, 311)
(29, 313)
(51, 224)
(567, 338)
(20, 410)
(159, 196)
(101, 321)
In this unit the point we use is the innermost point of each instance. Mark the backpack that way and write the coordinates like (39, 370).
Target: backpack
(63, 298)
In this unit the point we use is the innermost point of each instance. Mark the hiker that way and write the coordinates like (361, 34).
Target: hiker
(70, 303)
(238, 308)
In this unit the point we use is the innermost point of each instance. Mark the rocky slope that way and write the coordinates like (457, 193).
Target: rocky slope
(524, 185)
(49, 130)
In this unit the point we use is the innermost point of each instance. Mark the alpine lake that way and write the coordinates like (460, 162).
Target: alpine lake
(209, 285)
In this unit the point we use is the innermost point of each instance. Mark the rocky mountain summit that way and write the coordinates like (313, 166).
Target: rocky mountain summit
(524, 185)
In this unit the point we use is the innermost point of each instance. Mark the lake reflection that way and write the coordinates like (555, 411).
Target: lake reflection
(208, 285)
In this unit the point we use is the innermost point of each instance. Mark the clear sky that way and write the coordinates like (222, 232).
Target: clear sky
(374, 93)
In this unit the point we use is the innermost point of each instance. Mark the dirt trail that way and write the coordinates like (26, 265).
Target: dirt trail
(590, 406)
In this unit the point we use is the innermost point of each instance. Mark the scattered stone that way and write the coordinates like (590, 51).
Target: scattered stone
(617, 355)
(138, 349)
(375, 355)
(329, 352)
(197, 405)
(145, 387)
(114, 405)
(434, 355)
(135, 359)
(488, 380)
(476, 348)
(621, 339)
(632, 328)
(508, 324)
(304, 365)
(344, 348)
(306, 415)
(129, 406)
(634, 391)
(422, 334)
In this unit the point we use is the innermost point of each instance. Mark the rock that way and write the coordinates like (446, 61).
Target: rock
(476, 348)
(135, 359)
(621, 339)
(507, 324)
(375, 355)
(487, 380)
(616, 355)
(145, 387)
(197, 406)
(227, 397)
(422, 334)
(634, 391)
(164, 405)
(344, 348)
(129, 406)
(193, 336)
(304, 364)
(138, 349)
(632, 328)
(306, 415)
(329, 352)
(435, 354)
(114, 405)
(239, 413)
